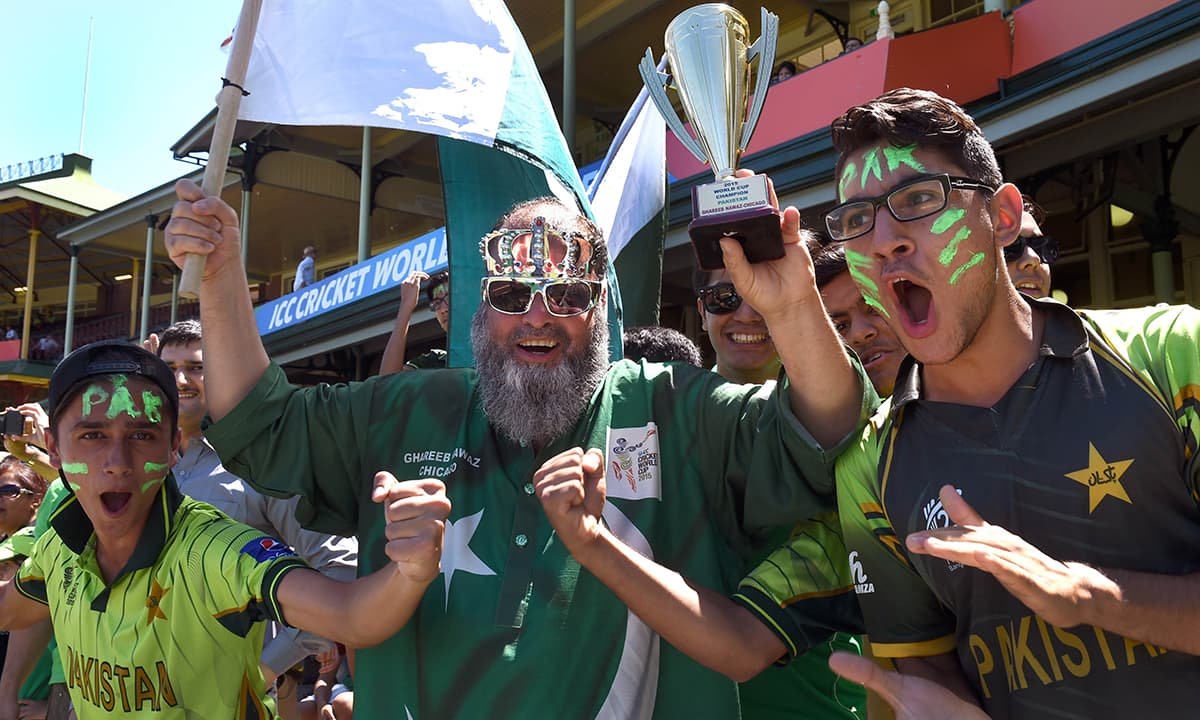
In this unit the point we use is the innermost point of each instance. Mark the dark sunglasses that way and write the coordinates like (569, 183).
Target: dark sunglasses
(1045, 246)
(12, 492)
(563, 298)
(720, 298)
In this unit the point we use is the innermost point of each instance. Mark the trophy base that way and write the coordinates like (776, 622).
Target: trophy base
(757, 230)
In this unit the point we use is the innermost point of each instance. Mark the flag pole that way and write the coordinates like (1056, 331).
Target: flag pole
(228, 101)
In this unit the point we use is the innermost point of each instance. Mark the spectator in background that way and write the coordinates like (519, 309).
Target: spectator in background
(439, 303)
(851, 44)
(306, 271)
(785, 71)
(1029, 256)
(21, 491)
(47, 348)
(655, 343)
(739, 335)
(10, 333)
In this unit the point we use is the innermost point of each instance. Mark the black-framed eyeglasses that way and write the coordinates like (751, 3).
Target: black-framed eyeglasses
(563, 298)
(1045, 246)
(12, 492)
(438, 302)
(720, 298)
(913, 200)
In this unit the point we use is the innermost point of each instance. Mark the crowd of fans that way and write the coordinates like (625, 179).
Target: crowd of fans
(910, 483)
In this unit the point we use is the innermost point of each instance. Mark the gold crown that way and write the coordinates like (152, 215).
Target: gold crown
(539, 251)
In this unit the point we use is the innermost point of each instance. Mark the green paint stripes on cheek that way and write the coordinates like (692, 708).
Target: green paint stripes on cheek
(946, 220)
(975, 260)
(847, 176)
(75, 468)
(94, 395)
(877, 305)
(153, 467)
(122, 400)
(152, 402)
(947, 255)
(857, 262)
(897, 156)
(871, 162)
(151, 483)
(75, 487)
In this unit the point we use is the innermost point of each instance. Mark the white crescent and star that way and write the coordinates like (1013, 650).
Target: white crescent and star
(457, 555)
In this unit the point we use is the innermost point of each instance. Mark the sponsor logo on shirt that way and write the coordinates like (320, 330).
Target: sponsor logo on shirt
(862, 586)
(265, 549)
(633, 463)
(937, 517)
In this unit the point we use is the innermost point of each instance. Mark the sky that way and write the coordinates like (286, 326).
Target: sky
(155, 71)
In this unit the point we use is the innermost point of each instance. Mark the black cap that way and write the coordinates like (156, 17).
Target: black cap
(104, 358)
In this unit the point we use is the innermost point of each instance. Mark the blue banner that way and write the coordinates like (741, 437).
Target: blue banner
(378, 274)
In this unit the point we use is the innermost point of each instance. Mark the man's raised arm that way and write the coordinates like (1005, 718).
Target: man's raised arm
(234, 357)
(824, 389)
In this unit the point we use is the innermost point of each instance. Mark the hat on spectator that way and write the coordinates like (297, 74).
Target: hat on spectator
(105, 358)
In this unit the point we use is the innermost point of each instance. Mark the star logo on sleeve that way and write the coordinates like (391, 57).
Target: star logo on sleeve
(154, 602)
(1102, 478)
(457, 555)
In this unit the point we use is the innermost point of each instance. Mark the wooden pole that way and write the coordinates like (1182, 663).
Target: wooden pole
(228, 102)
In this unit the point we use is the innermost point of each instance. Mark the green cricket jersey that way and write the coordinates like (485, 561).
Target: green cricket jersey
(177, 634)
(802, 592)
(700, 474)
(56, 492)
(1091, 457)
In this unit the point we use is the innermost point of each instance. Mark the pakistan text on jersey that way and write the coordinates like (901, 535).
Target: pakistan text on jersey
(137, 688)
(1032, 651)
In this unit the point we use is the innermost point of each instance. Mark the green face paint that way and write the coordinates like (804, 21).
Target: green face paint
(857, 262)
(871, 167)
(153, 467)
(122, 400)
(947, 255)
(75, 487)
(946, 220)
(151, 483)
(847, 176)
(75, 468)
(152, 402)
(897, 156)
(975, 260)
(94, 395)
(872, 302)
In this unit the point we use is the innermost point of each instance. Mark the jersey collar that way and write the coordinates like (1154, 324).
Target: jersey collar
(73, 526)
(1064, 336)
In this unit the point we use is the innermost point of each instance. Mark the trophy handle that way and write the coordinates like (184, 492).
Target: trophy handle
(653, 80)
(764, 49)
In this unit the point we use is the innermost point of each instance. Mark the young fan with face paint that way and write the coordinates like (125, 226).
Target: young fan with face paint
(145, 585)
(1022, 517)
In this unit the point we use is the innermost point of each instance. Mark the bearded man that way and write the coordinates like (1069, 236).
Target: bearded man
(508, 625)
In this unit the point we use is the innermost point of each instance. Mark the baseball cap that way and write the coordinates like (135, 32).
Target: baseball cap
(104, 358)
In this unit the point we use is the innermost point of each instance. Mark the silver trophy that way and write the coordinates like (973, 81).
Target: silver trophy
(710, 67)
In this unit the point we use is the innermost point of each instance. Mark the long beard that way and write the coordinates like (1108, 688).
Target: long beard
(532, 403)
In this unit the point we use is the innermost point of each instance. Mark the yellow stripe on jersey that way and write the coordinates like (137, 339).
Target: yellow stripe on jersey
(925, 648)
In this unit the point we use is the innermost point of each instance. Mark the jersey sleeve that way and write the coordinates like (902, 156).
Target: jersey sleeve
(1163, 344)
(31, 578)
(243, 568)
(902, 614)
(770, 472)
(802, 592)
(285, 441)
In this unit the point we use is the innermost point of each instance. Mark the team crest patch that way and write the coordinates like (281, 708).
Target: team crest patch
(633, 463)
(936, 517)
(265, 549)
